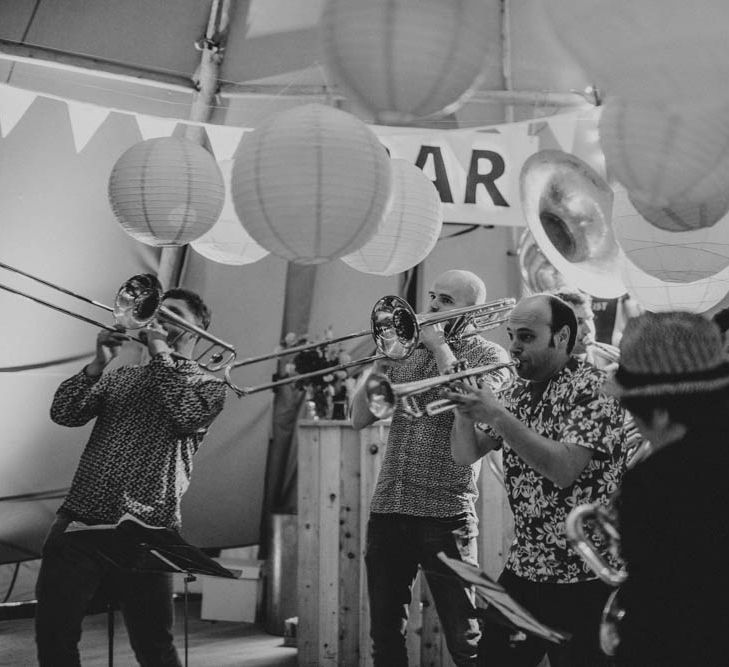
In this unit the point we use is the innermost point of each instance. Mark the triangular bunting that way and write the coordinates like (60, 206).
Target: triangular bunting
(224, 139)
(14, 102)
(152, 127)
(85, 120)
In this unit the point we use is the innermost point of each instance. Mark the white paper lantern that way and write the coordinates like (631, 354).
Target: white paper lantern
(663, 154)
(682, 216)
(665, 50)
(228, 242)
(406, 59)
(311, 184)
(409, 231)
(166, 191)
(671, 270)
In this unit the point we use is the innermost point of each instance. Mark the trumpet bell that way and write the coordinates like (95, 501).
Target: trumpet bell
(395, 328)
(137, 301)
(568, 208)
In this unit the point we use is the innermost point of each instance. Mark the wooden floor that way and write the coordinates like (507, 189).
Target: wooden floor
(211, 643)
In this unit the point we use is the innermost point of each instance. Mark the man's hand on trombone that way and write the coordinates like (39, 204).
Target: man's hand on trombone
(107, 348)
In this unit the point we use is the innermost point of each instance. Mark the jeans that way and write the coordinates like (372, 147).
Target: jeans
(574, 608)
(72, 570)
(396, 545)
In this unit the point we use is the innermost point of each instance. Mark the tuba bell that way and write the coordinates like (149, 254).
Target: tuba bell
(568, 207)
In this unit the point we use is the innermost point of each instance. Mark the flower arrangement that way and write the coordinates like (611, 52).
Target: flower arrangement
(326, 394)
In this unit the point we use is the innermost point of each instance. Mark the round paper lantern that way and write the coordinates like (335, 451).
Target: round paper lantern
(409, 231)
(406, 59)
(662, 154)
(671, 270)
(311, 184)
(663, 50)
(166, 191)
(227, 242)
(684, 216)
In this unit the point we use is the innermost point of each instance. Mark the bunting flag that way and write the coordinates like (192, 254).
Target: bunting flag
(476, 171)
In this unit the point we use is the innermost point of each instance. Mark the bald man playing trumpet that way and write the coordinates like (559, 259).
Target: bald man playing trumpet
(562, 441)
(424, 501)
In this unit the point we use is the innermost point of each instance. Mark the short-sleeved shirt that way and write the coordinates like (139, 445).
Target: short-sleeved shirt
(150, 421)
(418, 475)
(571, 409)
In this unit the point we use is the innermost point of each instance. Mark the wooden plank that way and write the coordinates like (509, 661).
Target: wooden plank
(350, 540)
(373, 442)
(307, 574)
(330, 443)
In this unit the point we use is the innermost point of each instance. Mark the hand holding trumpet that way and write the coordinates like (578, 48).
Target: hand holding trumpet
(474, 399)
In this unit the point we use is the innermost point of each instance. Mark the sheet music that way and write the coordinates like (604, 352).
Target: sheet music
(495, 595)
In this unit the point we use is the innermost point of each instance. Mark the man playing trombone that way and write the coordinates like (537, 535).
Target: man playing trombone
(423, 502)
(150, 421)
(562, 445)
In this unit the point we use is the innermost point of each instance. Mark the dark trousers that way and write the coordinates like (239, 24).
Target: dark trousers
(396, 546)
(573, 608)
(72, 570)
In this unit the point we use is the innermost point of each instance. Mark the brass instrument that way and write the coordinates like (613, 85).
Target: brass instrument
(612, 613)
(383, 395)
(138, 302)
(395, 329)
(568, 208)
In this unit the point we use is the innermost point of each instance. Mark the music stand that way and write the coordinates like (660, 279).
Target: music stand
(501, 606)
(137, 547)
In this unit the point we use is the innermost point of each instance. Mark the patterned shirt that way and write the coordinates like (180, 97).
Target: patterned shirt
(150, 420)
(418, 476)
(570, 409)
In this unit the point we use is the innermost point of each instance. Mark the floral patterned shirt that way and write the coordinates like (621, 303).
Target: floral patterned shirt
(418, 475)
(150, 420)
(570, 409)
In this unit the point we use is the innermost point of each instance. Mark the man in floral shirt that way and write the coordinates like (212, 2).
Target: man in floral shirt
(563, 446)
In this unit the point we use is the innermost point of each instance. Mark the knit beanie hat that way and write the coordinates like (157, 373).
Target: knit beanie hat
(669, 353)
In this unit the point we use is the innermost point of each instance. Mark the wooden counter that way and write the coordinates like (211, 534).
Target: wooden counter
(337, 471)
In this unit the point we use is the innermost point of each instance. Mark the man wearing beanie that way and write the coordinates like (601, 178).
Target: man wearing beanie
(672, 507)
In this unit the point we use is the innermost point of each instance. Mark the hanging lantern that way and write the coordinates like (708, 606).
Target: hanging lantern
(667, 270)
(409, 231)
(166, 191)
(311, 184)
(683, 216)
(227, 242)
(660, 50)
(407, 59)
(663, 154)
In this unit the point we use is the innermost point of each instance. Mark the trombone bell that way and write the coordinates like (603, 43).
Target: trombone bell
(137, 301)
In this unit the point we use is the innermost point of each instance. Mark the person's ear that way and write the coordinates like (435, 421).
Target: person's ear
(561, 338)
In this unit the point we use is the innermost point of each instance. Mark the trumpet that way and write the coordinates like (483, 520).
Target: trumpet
(382, 395)
(612, 613)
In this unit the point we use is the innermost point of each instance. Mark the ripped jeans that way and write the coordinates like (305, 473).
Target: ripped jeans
(396, 545)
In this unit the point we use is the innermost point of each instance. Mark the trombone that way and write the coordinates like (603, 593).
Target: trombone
(395, 329)
(138, 302)
(382, 395)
